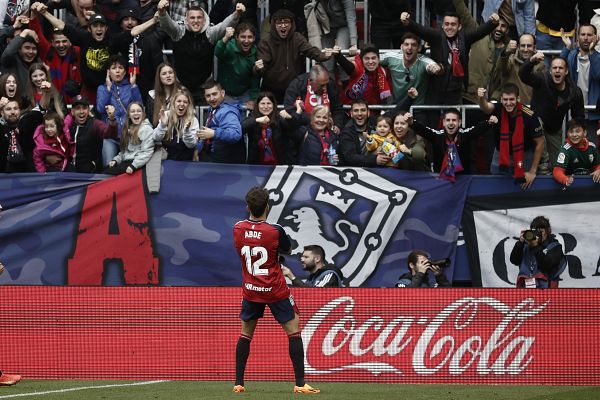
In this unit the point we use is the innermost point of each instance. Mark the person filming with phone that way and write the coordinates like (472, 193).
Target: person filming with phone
(539, 256)
(419, 264)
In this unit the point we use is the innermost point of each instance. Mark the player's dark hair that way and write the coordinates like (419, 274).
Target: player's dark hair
(257, 200)
(317, 250)
(413, 257)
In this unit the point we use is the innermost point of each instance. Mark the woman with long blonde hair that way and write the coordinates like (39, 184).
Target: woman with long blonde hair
(178, 127)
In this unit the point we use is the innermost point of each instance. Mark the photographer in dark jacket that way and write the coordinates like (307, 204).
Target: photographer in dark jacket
(321, 274)
(418, 263)
(539, 256)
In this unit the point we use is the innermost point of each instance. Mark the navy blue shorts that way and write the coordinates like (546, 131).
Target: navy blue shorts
(283, 310)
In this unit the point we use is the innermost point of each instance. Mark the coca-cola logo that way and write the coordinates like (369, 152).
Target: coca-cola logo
(477, 336)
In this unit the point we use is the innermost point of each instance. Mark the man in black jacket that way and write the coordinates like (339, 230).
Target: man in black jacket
(450, 144)
(450, 47)
(554, 94)
(352, 147)
(88, 132)
(321, 274)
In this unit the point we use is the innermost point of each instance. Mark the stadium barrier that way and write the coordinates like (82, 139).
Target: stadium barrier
(467, 336)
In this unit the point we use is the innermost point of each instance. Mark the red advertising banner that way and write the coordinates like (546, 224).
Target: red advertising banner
(484, 336)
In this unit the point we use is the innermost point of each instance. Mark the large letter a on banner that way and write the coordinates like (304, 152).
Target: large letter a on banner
(114, 225)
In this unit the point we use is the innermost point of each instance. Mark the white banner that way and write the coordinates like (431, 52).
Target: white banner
(575, 226)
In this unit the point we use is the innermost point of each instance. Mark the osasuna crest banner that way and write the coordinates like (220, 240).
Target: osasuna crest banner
(492, 224)
(74, 229)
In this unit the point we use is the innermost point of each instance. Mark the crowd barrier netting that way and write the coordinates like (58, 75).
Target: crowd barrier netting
(478, 336)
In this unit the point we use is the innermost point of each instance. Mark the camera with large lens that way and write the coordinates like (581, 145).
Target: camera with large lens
(532, 234)
(443, 263)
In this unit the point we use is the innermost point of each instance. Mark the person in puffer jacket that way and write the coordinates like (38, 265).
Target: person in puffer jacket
(137, 143)
(119, 92)
(53, 145)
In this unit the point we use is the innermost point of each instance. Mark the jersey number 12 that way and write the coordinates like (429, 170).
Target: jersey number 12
(254, 268)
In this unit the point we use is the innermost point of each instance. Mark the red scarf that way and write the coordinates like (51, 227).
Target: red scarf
(517, 143)
(325, 143)
(266, 149)
(372, 86)
(451, 163)
(311, 100)
(457, 69)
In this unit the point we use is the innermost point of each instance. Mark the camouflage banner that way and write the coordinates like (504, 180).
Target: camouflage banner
(73, 229)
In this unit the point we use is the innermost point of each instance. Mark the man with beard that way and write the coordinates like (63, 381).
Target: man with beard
(483, 72)
(321, 273)
(511, 60)
(16, 152)
(519, 139)
(88, 133)
(193, 44)
(281, 55)
(60, 55)
(584, 67)
(410, 69)
(554, 94)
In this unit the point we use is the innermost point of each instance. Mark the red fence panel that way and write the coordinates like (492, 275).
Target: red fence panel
(485, 336)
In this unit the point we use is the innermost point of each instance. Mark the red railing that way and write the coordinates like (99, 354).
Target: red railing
(485, 336)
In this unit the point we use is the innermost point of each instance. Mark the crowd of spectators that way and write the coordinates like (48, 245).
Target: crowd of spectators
(94, 90)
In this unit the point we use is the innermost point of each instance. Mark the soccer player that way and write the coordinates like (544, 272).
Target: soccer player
(259, 244)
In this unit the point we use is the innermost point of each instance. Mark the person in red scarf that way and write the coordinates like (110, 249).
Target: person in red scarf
(450, 144)
(315, 88)
(367, 79)
(519, 137)
(578, 156)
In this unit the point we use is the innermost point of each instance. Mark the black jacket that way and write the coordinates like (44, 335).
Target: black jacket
(282, 138)
(440, 50)
(546, 102)
(352, 150)
(437, 138)
(328, 276)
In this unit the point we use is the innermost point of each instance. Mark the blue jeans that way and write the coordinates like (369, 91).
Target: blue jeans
(110, 148)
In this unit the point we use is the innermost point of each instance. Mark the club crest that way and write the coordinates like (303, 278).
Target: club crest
(351, 213)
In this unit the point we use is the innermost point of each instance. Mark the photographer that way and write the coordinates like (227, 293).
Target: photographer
(418, 263)
(539, 256)
(321, 274)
